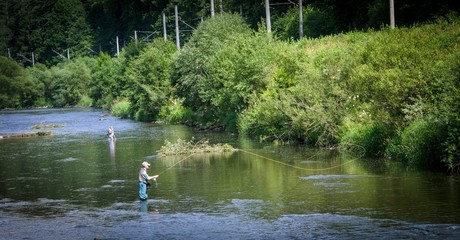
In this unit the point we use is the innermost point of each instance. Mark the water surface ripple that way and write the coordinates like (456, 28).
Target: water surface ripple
(76, 184)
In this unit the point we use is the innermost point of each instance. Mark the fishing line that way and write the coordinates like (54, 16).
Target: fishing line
(187, 157)
(276, 161)
(302, 168)
(155, 180)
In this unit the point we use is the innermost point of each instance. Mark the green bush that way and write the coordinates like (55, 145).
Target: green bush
(451, 146)
(11, 74)
(306, 97)
(142, 115)
(372, 138)
(421, 144)
(68, 82)
(85, 101)
(316, 23)
(265, 119)
(148, 79)
(174, 112)
(102, 87)
(219, 69)
(445, 105)
(121, 108)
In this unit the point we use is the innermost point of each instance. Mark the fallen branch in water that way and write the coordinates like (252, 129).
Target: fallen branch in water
(44, 126)
(190, 147)
(24, 135)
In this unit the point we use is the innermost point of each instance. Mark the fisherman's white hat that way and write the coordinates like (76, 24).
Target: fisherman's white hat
(146, 164)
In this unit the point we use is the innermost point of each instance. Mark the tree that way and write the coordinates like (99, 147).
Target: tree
(10, 73)
(317, 22)
(66, 29)
(219, 69)
(148, 78)
(17, 89)
(5, 31)
(26, 19)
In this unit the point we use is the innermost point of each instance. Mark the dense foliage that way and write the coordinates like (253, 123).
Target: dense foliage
(50, 28)
(221, 67)
(16, 88)
(394, 93)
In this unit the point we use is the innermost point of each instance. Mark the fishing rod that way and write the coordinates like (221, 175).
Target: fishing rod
(187, 157)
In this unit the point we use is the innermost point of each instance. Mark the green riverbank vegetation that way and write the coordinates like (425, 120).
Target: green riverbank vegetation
(396, 93)
(181, 147)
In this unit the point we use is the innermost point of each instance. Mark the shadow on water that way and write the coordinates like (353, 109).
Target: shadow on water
(76, 183)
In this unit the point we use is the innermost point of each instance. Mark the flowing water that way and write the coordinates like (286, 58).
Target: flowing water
(76, 184)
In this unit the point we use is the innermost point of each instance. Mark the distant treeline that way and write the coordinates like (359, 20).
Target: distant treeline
(395, 93)
(52, 28)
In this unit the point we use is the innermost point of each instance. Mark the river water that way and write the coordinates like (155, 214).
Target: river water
(76, 184)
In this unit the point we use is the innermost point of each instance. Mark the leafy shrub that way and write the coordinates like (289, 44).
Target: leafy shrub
(373, 138)
(85, 101)
(174, 112)
(41, 77)
(69, 82)
(421, 144)
(121, 108)
(316, 23)
(265, 119)
(219, 69)
(11, 74)
(103, 85)
(148, 79)
(445, 105)
(451, 146)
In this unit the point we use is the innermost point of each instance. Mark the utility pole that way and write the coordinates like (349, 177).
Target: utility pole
(267, 16)
(177, 27)
(392, 14)
(118, 48)
(29, 60)
(59, 54)
(300, 20)
(135, 36)
(91, 50)
(165, 36)
(212, 8)
(68, 55)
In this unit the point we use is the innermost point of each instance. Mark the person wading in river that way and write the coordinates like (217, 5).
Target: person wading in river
(111, 133)
(144, 181)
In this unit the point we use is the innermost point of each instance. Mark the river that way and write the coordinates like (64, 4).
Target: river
(76, 184)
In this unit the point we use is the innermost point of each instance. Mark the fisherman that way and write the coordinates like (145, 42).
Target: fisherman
(144, 181)
(111, 133)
